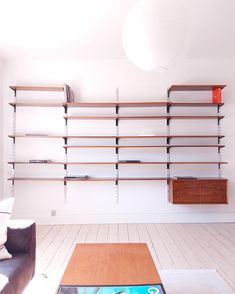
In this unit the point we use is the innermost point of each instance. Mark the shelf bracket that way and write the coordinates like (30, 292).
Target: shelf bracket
(65, 108)
(168, 120)
(168, 93)
(168, 107)
(116, 149)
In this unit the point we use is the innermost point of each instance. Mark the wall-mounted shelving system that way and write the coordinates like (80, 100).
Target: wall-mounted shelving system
(168, 117)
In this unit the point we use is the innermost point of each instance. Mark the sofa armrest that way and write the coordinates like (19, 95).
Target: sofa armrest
(21, 237)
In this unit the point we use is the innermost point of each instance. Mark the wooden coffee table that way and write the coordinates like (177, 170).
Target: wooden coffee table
(110, 264)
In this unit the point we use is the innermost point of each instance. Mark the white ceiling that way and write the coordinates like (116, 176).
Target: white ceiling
(91, 29)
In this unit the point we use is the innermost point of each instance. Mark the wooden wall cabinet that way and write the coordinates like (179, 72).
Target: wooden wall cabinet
(198, 191)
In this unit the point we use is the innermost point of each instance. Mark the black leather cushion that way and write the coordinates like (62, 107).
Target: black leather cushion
(18, 271)
(21, 238)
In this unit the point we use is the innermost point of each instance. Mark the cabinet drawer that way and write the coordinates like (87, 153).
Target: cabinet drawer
(185, 191)
(214, 192)
(198, 191)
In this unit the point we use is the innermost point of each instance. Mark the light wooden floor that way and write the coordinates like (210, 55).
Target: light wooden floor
(173, 246)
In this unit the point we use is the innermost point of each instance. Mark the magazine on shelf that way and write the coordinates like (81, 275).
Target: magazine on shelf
(76, 177)
(36, 134)
(129, 161)
(40, 160)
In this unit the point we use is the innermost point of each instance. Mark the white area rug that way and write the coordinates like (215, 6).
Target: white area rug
(194, 282)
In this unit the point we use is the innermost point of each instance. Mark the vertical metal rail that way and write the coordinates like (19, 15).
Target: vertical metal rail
(65, 155)
(218, 141)
(13, 147)
(117, 144)
(168, 133)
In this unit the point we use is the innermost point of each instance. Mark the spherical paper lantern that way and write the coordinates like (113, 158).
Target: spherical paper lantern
(154, 34)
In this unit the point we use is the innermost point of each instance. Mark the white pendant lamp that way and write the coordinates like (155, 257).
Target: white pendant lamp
(154, 34)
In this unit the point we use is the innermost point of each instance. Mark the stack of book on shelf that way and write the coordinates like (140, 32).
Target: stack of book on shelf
(68, 94)
(40, 161)
(82, 178)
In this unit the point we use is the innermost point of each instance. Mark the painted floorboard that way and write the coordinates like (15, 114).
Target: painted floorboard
(172, 246)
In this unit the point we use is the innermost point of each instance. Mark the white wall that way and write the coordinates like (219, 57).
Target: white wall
(97, 202)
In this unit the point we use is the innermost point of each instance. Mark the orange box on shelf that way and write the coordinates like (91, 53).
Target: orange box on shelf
(216, 92)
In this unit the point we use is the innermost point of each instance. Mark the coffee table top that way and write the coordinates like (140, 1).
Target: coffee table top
(99, 264)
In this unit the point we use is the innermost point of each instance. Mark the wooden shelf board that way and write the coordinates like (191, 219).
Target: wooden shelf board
(120, 104)
(197, 178)
(37, 88)
(120, 163)
(149, 146)
(197, 162)
(36, 104)
(195, 104)
(107, 179)
(196, 117)
(196, 136)
(142, 104)
(110, 104)
(195, 87)
(146, 117)
(201, 145)
(88, 180)
(114, 146)
(115, 117)
(113, 137)
(41, 163)
(35, 179)
(35, 136)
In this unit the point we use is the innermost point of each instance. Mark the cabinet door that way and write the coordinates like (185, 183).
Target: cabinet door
(214, 192)
(185, 192)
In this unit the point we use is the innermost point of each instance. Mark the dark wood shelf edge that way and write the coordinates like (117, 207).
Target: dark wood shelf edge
(109, 179)
(154, 146)
(120, 163)
(145, 117)
(173, 88)
(113, 137)
(37, 88)
(114, 104)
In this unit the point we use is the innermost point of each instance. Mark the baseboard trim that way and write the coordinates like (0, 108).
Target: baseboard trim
(130, 218)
